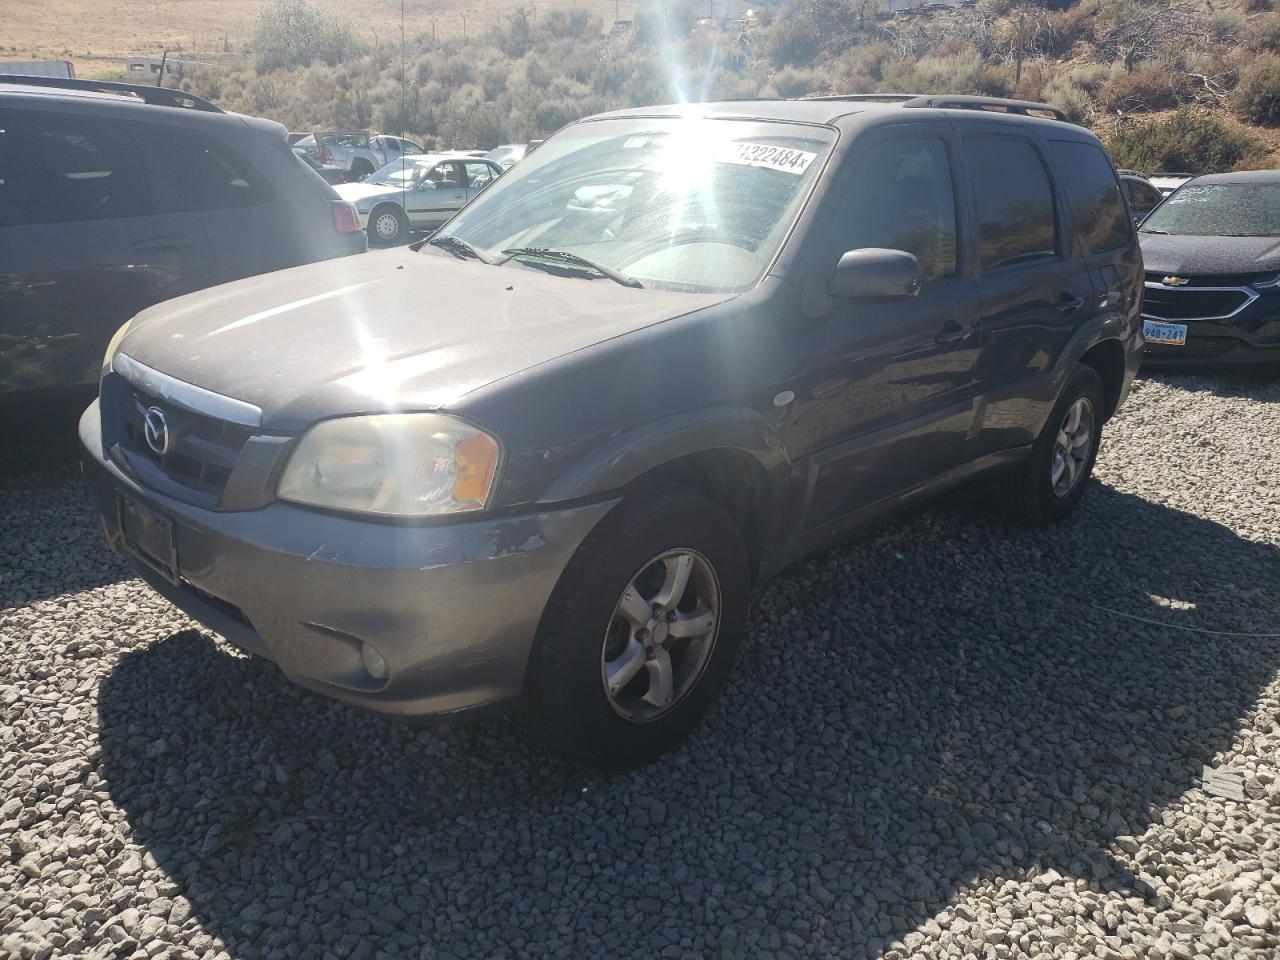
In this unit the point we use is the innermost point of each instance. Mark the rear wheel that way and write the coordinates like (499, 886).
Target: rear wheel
(1048, 485)
(641, 633)
(388, 226)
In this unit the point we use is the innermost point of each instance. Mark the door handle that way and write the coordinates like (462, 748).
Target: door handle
(164, 243)
(953, 332)
(1070, 304)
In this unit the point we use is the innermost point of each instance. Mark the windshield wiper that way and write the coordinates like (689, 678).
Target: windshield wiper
(1165, 232)
(564, 256)
(460, 248)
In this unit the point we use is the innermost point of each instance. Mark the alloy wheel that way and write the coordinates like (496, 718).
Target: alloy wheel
(661, 635)
(1072, 447)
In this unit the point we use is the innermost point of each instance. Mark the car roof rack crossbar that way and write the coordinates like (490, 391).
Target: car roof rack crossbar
(1024, 108)
(157, 96)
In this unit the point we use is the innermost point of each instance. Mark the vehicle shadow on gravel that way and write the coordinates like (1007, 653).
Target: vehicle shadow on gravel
(953, 698)
(50, 538)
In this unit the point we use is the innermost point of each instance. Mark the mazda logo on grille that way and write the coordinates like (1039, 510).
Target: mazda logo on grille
(156, 431)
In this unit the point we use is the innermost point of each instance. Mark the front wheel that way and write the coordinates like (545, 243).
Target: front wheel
(1048, 485)
(641, 632)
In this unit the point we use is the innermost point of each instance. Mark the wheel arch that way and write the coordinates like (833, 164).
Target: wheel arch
(1107, 357)
(731, 455)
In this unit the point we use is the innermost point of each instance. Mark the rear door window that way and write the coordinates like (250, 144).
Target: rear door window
(64, 169)
(1097, 208)
(1014, 200)
(479, 174)
(207, 175)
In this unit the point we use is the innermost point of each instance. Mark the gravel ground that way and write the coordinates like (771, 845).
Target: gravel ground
(952, 738)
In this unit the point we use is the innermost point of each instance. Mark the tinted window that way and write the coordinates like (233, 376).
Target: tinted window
(58, 169)
(1096, 204)
(1143, 198)
(902, 198)
(479, 174)
(207, 175)
(1014, 201)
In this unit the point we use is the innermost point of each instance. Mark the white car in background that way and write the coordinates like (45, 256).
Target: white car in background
(417, 192)
(508, 154)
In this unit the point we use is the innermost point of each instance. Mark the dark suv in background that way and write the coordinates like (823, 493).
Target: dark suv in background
(114, 197)
(545, 457)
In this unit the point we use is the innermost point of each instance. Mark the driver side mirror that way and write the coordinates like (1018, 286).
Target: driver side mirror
(874, 273)
(426, 185)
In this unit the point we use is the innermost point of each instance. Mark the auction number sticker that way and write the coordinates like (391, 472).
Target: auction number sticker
(748, 154)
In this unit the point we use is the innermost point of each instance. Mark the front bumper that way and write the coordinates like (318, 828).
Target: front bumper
(451, 609)
(1250, 337)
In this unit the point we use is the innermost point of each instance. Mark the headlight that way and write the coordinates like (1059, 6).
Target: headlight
(396, 464)
(111, 347)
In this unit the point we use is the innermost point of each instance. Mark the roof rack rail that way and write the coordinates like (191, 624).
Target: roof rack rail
(156, 96)
(868, 97)
(1024, 108)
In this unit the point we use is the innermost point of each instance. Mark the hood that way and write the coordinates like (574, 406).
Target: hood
(356, 192)
(395, 330)
(1192, 256)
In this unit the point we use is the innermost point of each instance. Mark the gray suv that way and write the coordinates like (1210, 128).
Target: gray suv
(114, 197)
(545, 457)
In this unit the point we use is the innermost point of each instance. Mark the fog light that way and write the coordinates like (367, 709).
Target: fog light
(373, 662)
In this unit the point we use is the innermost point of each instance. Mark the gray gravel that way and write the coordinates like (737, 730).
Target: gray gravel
(948, 739)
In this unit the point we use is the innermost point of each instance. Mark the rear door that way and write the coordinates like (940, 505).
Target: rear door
(895, 401)
(85, 243)
(251, 231)
(1034, 290)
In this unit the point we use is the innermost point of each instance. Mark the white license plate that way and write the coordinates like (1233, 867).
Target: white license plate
(1174, 334)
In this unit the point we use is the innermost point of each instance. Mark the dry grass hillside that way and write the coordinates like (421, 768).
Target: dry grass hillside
(97, 34)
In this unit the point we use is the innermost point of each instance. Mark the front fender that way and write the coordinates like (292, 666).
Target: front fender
(630, 454)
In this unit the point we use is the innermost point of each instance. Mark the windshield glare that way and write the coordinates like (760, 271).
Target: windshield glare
(1219, 210)
(679, 203)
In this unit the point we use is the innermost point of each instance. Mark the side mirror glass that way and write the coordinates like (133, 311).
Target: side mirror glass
(874, 273)
(426, 184)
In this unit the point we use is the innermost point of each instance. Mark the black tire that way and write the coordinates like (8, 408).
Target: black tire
(383, 213)
(1028, 493)
(566, 704)
(360, 169)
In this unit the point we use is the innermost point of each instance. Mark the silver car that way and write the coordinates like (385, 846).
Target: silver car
(417, 193)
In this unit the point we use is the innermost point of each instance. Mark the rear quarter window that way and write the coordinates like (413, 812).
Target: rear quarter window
(1097, 206)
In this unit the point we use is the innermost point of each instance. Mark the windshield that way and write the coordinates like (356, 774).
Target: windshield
(1219, 210)
(680, 203)
(402, 173)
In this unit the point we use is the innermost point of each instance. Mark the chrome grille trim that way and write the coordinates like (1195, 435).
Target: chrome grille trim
(1250, 295)
(186, 395)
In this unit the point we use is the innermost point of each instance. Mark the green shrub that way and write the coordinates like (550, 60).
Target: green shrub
(1191, 141)
(1265, 34)
(1148, 86)
(1257, 95)
(293, 33)
(1069, 95)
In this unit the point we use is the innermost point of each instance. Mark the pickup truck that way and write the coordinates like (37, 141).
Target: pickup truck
(355, 152)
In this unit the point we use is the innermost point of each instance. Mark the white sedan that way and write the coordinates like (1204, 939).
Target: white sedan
(417, 192)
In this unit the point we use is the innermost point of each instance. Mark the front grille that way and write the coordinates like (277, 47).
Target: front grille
(1193, 303)
(202, 450)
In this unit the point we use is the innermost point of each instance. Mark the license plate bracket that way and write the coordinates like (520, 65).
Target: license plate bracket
(149, 537)
(1170, 334)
